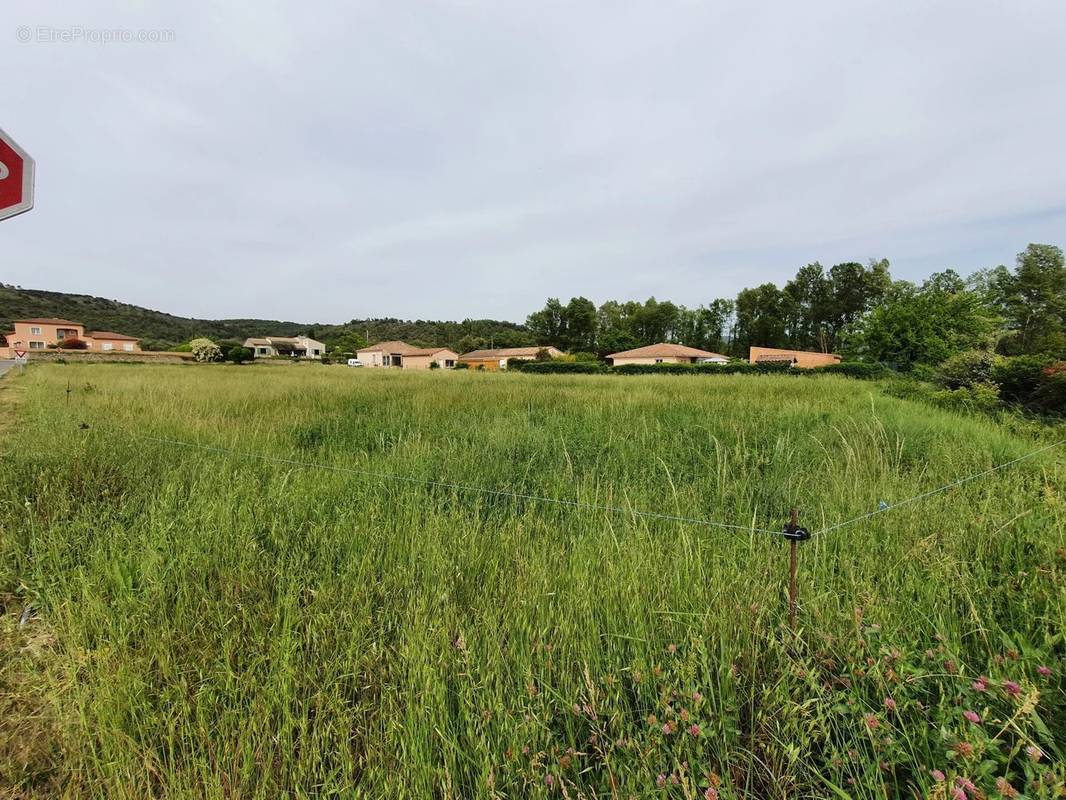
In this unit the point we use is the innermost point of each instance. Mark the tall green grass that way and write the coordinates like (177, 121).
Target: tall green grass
(214, 624)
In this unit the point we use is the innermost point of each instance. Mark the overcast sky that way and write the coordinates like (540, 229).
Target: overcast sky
(332, 160)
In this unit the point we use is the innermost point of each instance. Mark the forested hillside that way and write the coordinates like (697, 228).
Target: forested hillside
(161, 331)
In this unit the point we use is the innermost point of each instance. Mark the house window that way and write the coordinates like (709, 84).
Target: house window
(37, 345)
(35, 331)
(106, 346)
(262, 351)
(658, 361)
(448, 362)
(128, 347)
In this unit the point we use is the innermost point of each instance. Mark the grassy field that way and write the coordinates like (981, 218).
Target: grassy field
(211, 623)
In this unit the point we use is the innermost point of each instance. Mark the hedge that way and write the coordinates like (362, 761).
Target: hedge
(561, 367)
(851, 369)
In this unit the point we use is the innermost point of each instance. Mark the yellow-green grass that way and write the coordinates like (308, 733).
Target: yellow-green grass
(213, 624)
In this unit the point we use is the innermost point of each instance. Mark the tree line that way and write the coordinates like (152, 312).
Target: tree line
(855, 309)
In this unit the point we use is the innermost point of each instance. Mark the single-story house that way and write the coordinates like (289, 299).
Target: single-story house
(804, 359)
(667, 353)
(109, 340)
(292, 346)
(493, 360)
(43, 333)
(406, 356)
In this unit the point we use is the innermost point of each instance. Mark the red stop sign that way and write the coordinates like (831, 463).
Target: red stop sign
(16, 178)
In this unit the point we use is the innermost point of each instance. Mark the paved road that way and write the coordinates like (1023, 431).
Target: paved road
(5, 365)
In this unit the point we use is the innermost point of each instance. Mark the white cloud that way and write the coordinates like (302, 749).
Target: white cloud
(470, 158)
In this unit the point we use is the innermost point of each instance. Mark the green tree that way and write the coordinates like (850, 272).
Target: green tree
(470, 343)
(580, 321)
(614, 331)
(854, 289)
(809, 307)
(761, 318)
(549, 324)
(1033, 301)
(921, 326)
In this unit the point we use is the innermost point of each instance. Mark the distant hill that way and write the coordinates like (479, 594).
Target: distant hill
(162, 331)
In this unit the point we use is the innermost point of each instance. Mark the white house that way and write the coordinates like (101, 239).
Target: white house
(292, 346)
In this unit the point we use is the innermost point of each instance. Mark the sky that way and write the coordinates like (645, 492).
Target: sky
(329, 161)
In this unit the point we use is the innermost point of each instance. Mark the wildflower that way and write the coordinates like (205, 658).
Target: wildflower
(549, 780)
(980, 685)
(972, 716)
(966, 785)
(1012, 688)
(694, 729)
(710, 794)
(958, 794)
(1043, 671)
(660, 781)
(565, 761)
(938, 776)
(1004, 788)
(668, 728)
(652, 719)
(964, 749)
(671, 648)
(1034, 753)
(871, 721)
(683, 715)
(950, 667)
(636, 677)
(696, 697)
(890, 704)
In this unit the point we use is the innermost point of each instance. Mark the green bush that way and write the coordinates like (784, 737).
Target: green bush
(239, 354)
(582, 355)
(1050, 396)
(560, 367)
(983, 397)
(1020, 377)
(967, 369)
(461, 365)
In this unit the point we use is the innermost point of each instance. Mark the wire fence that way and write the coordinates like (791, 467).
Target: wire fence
(924, 495)
(459, 487)
(584, 505)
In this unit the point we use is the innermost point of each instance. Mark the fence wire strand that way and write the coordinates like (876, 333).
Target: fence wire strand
(940, 489)
(459, 487)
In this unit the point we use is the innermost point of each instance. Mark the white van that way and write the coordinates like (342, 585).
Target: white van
(354, 362)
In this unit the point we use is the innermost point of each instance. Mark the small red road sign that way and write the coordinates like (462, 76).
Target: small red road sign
(16, 178)
(20, 354)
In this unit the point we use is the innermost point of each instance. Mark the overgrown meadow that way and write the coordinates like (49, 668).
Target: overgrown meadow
(210, 623)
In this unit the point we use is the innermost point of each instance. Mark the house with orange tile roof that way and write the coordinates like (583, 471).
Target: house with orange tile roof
(804, 359)
(494, 360)
(667, 353)
(397, 354)
(46, 333)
